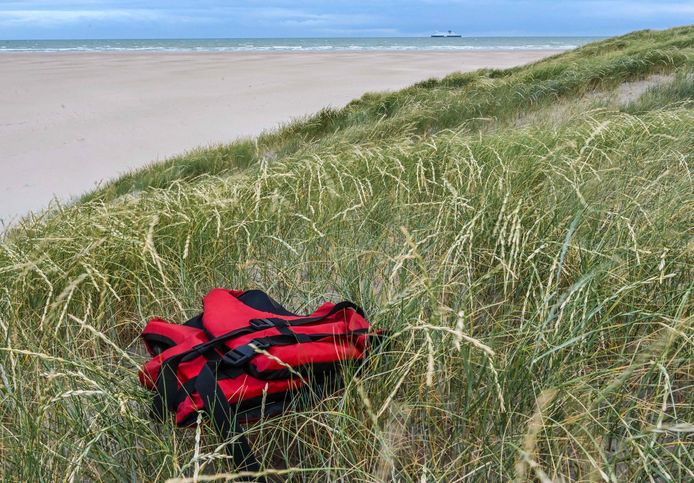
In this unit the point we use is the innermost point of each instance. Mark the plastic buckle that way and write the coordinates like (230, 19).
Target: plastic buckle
(241, 355)
(196, 350)
(260, 343)
(260, 324)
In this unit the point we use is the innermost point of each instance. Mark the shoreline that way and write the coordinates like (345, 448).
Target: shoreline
(71, 120)
(125, 52)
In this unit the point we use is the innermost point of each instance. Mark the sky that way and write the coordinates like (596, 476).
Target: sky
(85, 19)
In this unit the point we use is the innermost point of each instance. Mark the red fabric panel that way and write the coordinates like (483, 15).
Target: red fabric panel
(190, 405)
(329, 350)
(237, 389)
(307, 353)
(224, 312)
(247, 387)
(176, 332)
(150, 370)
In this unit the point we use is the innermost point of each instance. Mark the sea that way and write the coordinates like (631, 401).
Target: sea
(298, 44)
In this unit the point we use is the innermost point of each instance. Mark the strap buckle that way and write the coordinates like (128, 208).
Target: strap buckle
(197, 350)
(260, 324)
(241, 355)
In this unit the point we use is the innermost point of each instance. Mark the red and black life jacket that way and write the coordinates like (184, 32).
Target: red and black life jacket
(246, 354)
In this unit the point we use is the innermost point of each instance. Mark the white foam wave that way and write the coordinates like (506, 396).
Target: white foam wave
(249, 47)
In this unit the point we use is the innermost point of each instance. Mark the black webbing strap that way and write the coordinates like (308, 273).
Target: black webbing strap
(239, 356)
(224, 418)
(166, 386)
(168, 394)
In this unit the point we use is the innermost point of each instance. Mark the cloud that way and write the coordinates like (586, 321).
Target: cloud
(87, 11)
(241, 18)
(37, 18)
(597, 7)
(646, 9)
(288, 16)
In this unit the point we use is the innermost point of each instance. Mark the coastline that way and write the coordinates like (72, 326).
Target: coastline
(70, 120)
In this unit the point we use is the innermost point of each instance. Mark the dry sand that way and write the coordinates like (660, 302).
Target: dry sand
(69, 121)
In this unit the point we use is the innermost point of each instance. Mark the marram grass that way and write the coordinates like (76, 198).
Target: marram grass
(534, 274)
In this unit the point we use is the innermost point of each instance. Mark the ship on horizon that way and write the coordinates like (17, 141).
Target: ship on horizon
(448, 34)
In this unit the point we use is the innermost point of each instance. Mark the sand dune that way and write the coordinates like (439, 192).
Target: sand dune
(71, 121)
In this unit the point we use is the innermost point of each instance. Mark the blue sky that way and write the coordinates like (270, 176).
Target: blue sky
(37, 19)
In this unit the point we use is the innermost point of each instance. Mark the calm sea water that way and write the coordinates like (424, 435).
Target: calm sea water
(296, 44)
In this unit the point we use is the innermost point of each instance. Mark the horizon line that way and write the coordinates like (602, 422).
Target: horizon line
(296, 37)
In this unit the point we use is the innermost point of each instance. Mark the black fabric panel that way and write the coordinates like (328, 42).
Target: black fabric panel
(249, 410)
(157, 343)
(270, 410)
(195, 322)
(259, 300)
(167, 387)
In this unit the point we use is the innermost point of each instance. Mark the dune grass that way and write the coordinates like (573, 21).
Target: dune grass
(533, 271)
(480, 100)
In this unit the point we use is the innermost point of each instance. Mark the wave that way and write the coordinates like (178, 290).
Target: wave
(294, 45)
(285, 48)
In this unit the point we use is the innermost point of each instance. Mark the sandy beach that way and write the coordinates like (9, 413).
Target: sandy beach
(69, 121)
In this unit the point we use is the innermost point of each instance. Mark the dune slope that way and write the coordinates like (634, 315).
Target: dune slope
(523, 235)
